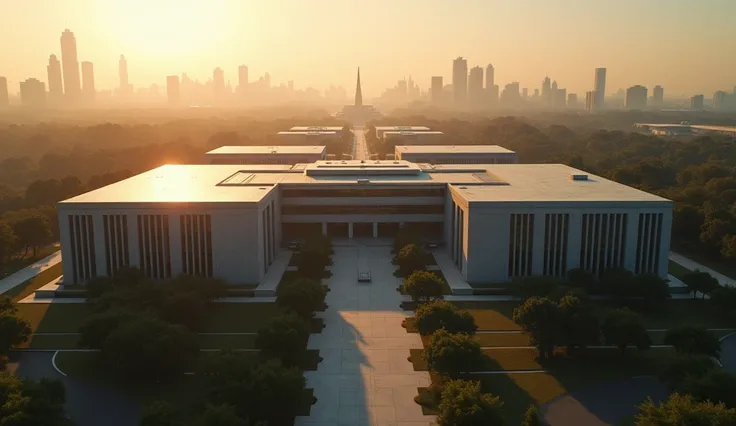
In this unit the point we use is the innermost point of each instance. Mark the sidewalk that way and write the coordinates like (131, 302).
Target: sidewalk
(30, 271)
(693, 265)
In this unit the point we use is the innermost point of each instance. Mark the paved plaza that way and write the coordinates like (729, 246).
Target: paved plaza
(365, 378)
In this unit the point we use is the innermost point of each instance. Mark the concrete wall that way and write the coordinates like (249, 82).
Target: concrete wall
(488, 236)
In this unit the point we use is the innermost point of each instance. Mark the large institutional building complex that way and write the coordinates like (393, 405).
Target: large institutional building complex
(495, 221)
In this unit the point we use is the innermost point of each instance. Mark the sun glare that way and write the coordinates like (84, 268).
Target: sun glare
(167, 26)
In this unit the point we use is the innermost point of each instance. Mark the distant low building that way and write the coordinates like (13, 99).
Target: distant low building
(455, 154)
(266, 154)
(306, 137)
(33, 93)
(413, 138)
(696, 102)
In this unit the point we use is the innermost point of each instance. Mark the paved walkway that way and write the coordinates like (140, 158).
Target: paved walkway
(693, 265)
(30, 271)
(361, 147)
(365, 378)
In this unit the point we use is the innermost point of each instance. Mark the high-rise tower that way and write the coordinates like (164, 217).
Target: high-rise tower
(88, 81)
(358, 92)
(599, 87)
(70, 65)
(56, 87)
(460, 80)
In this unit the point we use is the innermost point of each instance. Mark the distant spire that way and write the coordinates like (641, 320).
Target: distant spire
(358, 92)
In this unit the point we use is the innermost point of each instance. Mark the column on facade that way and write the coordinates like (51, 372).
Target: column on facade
(350, 230)
(375, 229)
(324, 228)
(538, 244)
(632, 235)
(573, 241)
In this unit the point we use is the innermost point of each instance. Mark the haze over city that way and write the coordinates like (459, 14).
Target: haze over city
(679, 44)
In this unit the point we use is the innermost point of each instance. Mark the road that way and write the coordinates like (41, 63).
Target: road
(361, 147)
(86, 403)
(693, 265)
(30, 271)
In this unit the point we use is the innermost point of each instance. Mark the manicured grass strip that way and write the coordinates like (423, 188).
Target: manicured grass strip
(677, 270)
(492, 315)
(16, 265)
(658, 336)
(498, 339)
(239, 317)
(54, 317)
(67, 341)
(26, 288)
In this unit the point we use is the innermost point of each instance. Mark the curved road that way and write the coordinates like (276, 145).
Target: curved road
(87, 404)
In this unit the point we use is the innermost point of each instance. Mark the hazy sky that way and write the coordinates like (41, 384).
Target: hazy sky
(687, 46)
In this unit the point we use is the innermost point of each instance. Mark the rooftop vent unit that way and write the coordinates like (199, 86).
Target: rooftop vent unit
(578, 176)
(363, 181)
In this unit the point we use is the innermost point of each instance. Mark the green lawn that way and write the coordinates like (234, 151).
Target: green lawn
(27, 288)
(518, 391)
(677, 270)
(54, 317)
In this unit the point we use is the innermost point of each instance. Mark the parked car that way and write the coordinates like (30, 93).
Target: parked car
(364, 277)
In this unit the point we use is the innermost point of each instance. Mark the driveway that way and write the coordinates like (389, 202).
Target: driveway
(86, 403)
(365, 378)
(603, 404)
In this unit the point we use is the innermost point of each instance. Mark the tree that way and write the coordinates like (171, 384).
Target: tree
(13, 329)
(437, 314)
(693, 340)
(579, 324)
(220, 415)
(686, 411)
(147, 347)
(411, 258)
(618, 282)
(535, 286)
(223, 139)
(463, 404)
(700, 282)
(184, 307)
(27, 402)
(673, 369)
(285, 338)
(652, 289)
(98, 326)
(302, 296)
(622, 328)
(531, 417)
(8, 242)
(33, 231)
(452, 354)
(259, 391)
(715, 385)
(724, 300)
(311, 262)
(159, 413)
(424, 286)
(541, 319)
(406, 235)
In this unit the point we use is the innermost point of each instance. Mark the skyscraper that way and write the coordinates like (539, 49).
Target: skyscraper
(572, 100)
(590, 99)
(599, 87)
(172, 89)
(125, 87)
(33, 93)
(70, 65)
(493, 94)
(547, 90)
(720, 100)
(4, 98)
(510, 93)
(696, 102)
(436, 90)
(636, 97)
(56, 87)
(658, 95)
(88, 81)
(218, 83)
(475, 86)
(460, 81)
(242, 77)
(490, 76)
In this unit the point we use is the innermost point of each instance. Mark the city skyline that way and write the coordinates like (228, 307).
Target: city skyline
(187, 44)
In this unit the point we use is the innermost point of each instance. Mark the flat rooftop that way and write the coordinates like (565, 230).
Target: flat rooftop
(308, 133)
(453, 149)
(477, 183)
(281, 149)
(404, 128)
(411, 132)
(316, 129)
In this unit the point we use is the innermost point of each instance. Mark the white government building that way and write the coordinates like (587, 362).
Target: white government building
(497, 221)
(455, 154)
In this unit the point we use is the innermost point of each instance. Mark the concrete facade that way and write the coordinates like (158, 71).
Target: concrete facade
(455, 154)
(497, 222)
